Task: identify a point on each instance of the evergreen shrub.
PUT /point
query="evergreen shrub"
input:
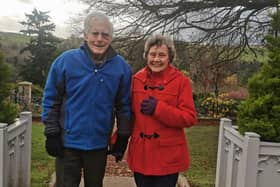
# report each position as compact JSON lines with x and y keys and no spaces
{"x":8,"y":110}
{"x":260,"y":113}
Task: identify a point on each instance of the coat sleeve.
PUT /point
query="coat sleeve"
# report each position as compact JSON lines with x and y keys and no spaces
{"x":53,"y":99}
{"x":123,"y":103}
{"x":182,"y":115}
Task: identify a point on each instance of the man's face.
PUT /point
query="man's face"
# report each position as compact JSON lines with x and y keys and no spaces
{"x":98,"y":38}
{"x":158,"y":58}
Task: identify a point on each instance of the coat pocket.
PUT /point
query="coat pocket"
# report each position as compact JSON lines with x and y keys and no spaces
{"x":173,"y":152}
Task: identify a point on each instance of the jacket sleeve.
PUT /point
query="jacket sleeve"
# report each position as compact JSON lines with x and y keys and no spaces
{"x":123,"y":103}
{"x":182,"y":115}
{"x":53,"y":99}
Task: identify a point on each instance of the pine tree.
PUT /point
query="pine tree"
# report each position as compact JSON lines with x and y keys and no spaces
{"x":42,"y":46}
{"x":260,"y":113}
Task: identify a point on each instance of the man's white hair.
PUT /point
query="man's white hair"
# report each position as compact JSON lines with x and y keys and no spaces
{"x":97,"y":16}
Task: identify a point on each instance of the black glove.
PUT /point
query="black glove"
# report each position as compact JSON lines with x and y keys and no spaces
{"x":148,"y":106}
{"x":54,"y":146}
{"x":119,"y":147}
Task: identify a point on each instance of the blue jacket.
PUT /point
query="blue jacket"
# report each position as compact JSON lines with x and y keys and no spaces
{"x":81,"y":100}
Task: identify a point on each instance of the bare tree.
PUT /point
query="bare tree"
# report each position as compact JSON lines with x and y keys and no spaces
{"x":228,"y":22}
{"x":208,"y":70}
{"x":216,"y":31}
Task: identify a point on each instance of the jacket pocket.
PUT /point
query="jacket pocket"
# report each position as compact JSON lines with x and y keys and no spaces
{"x":173,"y":152}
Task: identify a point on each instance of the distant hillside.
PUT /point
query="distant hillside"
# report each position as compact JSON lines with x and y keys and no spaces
{"x":12,"y":43}
{"x":13,"y":37}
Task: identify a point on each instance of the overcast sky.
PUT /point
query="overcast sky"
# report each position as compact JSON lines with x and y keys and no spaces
{"x":13,"y":11}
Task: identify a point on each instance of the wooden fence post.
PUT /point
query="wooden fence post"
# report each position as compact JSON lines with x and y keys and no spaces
{"x":250,"y":160}
{"x":28,"y":144}
{"x":221,"y":161}
{"x":3,"y":149}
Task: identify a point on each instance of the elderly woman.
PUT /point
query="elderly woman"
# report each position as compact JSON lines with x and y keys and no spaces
{"x":163,"y":106}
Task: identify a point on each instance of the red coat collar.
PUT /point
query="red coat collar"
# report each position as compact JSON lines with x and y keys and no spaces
{"x":166,"y":76}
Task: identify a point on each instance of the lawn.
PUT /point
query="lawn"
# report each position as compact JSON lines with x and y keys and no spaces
{"x":42,"y":165}
{"x":202,"y":142}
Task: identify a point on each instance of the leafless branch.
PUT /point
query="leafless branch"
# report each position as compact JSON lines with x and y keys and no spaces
{"x":233,"y":23}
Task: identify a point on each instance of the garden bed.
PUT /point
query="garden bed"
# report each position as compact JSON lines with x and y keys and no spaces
{"x":208,"y":121}
{"x":36,"y":118}
{"x":212,"y":121}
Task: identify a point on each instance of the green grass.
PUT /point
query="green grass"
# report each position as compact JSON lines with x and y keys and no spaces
{"x":202,"y":141}
{"x":42,"y":165}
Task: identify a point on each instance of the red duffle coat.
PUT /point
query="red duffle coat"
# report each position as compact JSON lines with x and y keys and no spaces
{"x":167,"y":152}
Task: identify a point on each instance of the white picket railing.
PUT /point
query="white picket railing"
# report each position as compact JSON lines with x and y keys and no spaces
{"x":15,"y":152}
{"x":245,"y":161}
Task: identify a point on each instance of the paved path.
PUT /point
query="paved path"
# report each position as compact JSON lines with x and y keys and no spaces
{"x":117,"y":181}
{"x":109,"y":181}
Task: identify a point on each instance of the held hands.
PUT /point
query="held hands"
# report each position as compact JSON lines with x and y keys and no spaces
{"x":118,"y":149}
{"x":148,"y":106}
{"x":54,"y":146}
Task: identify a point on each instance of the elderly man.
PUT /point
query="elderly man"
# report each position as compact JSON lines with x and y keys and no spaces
{"x":86,"y":89}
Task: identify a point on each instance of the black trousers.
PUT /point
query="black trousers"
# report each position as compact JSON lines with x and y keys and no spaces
{"x":69,"y":168}
{"x":155,"y":181}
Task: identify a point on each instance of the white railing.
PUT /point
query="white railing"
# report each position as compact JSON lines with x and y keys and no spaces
{"x":15,"y":152}
{"x":245,"y":161}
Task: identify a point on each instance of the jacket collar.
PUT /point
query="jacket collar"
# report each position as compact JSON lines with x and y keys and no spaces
{"x":110,"y":52}
{"x":167,"y":75}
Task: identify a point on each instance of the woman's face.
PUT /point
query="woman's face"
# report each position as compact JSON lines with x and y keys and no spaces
{"x":157,"y":58}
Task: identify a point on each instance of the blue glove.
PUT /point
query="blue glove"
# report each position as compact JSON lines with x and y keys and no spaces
{"x":148,"y":106}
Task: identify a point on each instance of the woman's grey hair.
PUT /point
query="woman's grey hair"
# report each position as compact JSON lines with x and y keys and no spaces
{"x":158,"y":40}
{"x":97,"y":16}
